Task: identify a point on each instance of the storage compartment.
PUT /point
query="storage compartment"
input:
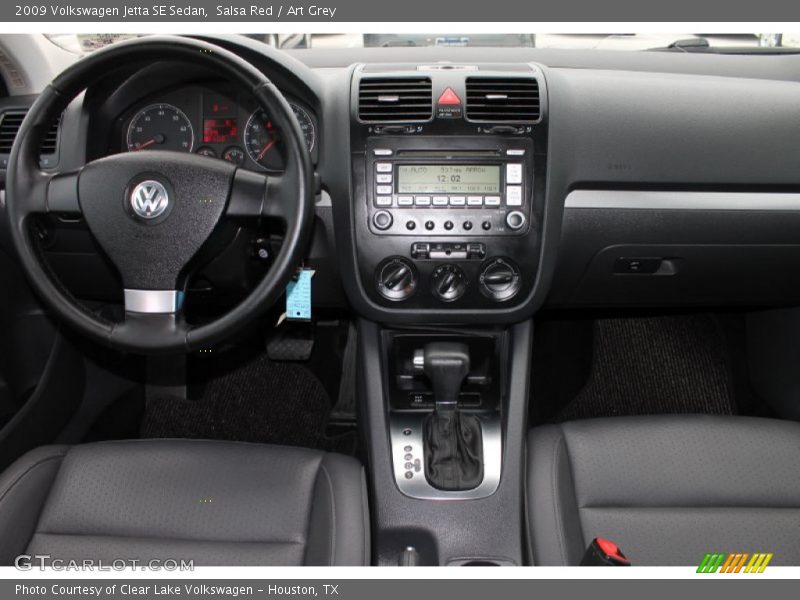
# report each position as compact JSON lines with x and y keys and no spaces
{"x":633,"y":257}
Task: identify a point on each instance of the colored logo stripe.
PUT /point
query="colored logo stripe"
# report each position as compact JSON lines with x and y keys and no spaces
{"x":734,"y":562}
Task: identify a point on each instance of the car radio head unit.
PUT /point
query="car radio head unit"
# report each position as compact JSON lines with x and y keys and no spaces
{"x":416,"y":187}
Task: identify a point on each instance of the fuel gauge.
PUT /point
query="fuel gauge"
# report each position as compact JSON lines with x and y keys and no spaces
{"x":234,"y":155}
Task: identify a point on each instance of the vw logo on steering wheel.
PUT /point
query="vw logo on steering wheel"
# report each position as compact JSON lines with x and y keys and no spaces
{"x":149,"y":199}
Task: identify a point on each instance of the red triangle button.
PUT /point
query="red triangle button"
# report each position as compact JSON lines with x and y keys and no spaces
{"x":449,"y":98}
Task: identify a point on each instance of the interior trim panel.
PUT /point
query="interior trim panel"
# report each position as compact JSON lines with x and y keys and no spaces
{"x":629,"y":199}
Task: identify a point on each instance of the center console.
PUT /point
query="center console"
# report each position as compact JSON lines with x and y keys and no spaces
{"x":448,"y":206}
{"x":448,"y":174}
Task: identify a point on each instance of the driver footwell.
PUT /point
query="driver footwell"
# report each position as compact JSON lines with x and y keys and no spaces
{"x":253,"y":400}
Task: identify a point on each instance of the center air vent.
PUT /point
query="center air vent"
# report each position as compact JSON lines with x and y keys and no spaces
{"x":503,"y":99}
{"x":395,"y":99}
{"x":11,"y":121}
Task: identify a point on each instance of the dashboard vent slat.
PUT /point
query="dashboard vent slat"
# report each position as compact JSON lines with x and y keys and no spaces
{"x":395,"y":99}
{"x":503,"y":99}
{"x":50,"y":142}
{"x":11,"y":121}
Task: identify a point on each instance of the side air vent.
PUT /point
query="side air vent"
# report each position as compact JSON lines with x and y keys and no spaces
{"x":395,"y":99}
{"x":503,"y":99}
{"x":10,"y":122}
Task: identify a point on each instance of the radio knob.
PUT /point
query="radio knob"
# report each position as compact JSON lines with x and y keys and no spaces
{"x":448,"y":282}
{"x":382,"y":220}
{"x":515,"y":220}
{"x":499,"y":279}
{"x":396,"y":279}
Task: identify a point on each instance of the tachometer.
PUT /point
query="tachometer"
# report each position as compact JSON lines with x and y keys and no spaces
{"x":160,"y":127}
{"x":262,"y":142}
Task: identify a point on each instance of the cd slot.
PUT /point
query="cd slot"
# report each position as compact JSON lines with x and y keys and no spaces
{"x":449,"y":153}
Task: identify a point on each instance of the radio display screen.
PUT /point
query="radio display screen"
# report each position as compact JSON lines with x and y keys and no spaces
{"x":448,"y":179}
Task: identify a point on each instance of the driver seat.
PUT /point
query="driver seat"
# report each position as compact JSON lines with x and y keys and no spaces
{"x":214,"y":502}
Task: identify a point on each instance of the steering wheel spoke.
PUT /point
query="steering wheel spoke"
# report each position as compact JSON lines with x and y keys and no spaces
{"x":158,"y":302}
{"x":248,"y":195}
{"x":62,"y":193}
{"x":256,"y":195}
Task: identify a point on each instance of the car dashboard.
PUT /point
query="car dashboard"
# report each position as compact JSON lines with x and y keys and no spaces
{"x":457,"y":185}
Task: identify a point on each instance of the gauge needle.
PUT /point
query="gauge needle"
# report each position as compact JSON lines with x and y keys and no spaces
{"x":159,"y":139}
{"x":265,"y":149}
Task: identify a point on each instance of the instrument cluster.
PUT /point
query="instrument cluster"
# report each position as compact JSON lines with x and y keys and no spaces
{"x":214,"y":123}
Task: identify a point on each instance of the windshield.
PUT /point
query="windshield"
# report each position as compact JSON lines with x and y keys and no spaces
{"x":680,"y":42}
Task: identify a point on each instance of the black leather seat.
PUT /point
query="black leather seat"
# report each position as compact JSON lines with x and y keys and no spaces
{"x":666,"y":489}
{"x":217,"y":503}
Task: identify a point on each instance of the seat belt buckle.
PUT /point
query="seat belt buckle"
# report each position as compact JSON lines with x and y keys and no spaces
{"x":604,"y":553}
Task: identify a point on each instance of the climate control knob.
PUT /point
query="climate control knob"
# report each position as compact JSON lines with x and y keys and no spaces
{"x":396,"y":279}
{"x":499,"y":280}
{"x":448,"y":282}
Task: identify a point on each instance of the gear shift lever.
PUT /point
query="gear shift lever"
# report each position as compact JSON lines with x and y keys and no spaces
{"x":446,"y":364}
{"x":453,"y":441}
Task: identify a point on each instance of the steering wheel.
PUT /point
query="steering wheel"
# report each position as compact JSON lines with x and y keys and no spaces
{"x":152,"y":211}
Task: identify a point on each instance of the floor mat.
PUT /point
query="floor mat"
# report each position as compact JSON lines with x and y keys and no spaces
{"x":256,"y":400}
{"x":655,"y":365}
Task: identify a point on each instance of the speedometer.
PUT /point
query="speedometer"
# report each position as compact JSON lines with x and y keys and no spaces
{"x":262,"y":142}
{"x":160,"y":127}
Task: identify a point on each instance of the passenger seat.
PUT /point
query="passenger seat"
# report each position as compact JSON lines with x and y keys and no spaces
{"x":666,"y":489}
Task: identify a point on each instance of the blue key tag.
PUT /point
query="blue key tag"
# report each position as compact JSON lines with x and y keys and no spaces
{"x":298,"y":296}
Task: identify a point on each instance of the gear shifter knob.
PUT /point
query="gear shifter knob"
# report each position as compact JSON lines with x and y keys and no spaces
{"x":446,"y":364}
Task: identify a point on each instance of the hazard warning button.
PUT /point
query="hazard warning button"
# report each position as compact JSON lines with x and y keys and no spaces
{"x":449,"y":98}
{"x":448,"y":106}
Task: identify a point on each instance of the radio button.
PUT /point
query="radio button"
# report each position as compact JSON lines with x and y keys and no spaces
{"x":422,"y":200}
{"x":383,"y":178}
{"x":515,"y":220}
{"x":457,"y":200}
{"x":475,"y":200}
{"x":384,"y":189}
{"x":440,"y":200}
{"x":383,"y":167}
{"x":382,"y":220}
{"x":514,"y":173}
{"x":492,"y":201}
{"x":514,"y":195}
{"x":383,"y":201}
{"x":405,"y":201}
